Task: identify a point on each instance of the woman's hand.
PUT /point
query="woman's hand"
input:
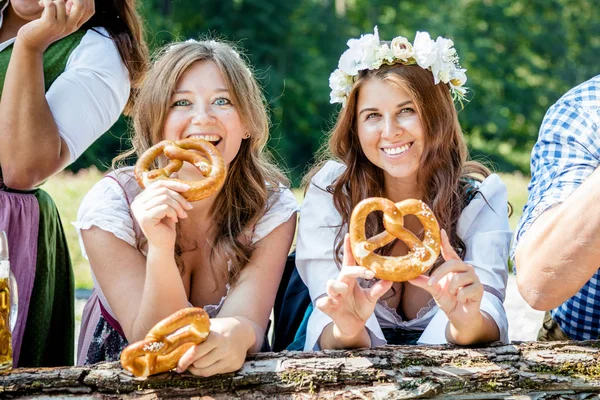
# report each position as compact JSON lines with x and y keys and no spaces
{"x":347,"y":303}
{"x":458,"y":292}
{"x":59,"y":19}
{"x":158,"y":208}
{"x":223,"y":351}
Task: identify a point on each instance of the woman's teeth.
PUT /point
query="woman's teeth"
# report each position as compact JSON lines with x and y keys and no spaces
{"x":396,"y":150}
{"x":208,"y":138}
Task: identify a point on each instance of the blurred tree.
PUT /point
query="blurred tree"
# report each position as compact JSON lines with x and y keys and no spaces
{"x":521,"y":55}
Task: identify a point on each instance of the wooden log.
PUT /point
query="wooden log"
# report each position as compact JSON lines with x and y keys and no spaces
{"x":519,"y":370}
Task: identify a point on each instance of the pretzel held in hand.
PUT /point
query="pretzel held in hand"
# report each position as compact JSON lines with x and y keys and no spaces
{"x":210,"y":164}
{"x":421,"y":255}
{"x":166,"y":342}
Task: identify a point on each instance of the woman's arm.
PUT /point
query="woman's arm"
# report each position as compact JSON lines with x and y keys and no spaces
{"x":484,"y":228}
{"x":33,"y":148}
{"x":140,"y":290}
{"x":240,"y":327}
{"x":259,"y":281}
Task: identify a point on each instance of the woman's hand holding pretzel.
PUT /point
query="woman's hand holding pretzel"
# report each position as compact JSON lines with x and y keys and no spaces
{"x":458,"y":292}
{"x":348,"y":304}
{"x":223,"y":351}
{"x":158,"y":208}
{"x":59,"y":19}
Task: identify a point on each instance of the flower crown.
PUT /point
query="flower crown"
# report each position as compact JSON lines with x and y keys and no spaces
{"x":369,"y":53}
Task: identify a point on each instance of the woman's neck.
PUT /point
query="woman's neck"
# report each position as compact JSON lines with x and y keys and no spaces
{"x":11,"y":23}
{"x":399,"y":189}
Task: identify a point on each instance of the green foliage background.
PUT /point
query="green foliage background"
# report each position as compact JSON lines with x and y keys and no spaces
{"x":520,"y":56}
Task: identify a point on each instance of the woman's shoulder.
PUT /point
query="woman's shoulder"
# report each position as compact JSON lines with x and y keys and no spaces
{"x":281,"y":205}
{"x":327,"y":173}
{"x":117,"y":185}
{"x":107,"y":206}
{"x":97,"y":50}
{"x":488,"y":206}
{"x":490,"y":187}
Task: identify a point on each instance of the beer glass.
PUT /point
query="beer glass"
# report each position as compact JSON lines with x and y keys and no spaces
{"x":8,"y":305}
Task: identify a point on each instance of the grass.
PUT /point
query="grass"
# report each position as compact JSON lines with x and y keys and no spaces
{"x":67,"y":190}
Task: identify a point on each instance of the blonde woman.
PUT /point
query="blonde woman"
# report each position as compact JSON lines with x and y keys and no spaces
{"x":225,"y":253}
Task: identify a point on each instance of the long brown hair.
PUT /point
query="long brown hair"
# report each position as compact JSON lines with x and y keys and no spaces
{"x":445,"y":175}
{"x":252,"y":177}
{"x":125,"y":27}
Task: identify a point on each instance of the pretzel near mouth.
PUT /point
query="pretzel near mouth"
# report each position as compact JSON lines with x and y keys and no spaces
{"x":421,"y":255}
{"x":166,"y":342}
{"x":209,"y":162}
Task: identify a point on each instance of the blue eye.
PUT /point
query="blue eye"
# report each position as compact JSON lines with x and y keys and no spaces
{"x":181,"y":103}
{"x":222,"y":101}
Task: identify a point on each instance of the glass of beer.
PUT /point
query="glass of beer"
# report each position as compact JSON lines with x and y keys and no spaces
{"x":8,"y":305}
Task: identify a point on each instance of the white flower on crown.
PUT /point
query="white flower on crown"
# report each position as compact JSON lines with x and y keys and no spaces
{"x":383,"y":55}
{"x":360,"y":54}
{"x":340,"y":84}
{"x":368,"y":52}
{"x":425,"y":50}
{"x":402,"y":48}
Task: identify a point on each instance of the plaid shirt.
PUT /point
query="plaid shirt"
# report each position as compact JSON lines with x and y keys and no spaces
{"x":566,"y":153}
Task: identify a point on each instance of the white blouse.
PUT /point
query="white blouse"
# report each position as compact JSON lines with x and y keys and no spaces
{"x":88,"y":97}
{"x":483,"y":226}
{"x":107,"y":206}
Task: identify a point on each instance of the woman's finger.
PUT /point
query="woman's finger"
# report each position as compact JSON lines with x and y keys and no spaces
{"x":195,"y":352}
{"x":446,"y":268}
{"x":165,"y":199}
{"x":218,"y":367}
{"x":75,"y":14}
{"x":326,"y":304}
{"x":61,"y":11}
{"x":169,"y":184}
{"x":208,"y":359}
{"x":348,"y":256}
{"x":49,"y":13}
{"x":461,"y":280}
{"x":162,"y":211}
{"x":90,"y":10}
{"x":350,"y":273}
{"x":472,"y":292}
{"x":379,"y":289}
{"x":336,"y":288}
{"x":448,"y":251}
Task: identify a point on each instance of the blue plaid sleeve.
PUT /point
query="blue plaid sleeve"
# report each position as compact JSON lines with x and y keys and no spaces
{"x":565,"y":154}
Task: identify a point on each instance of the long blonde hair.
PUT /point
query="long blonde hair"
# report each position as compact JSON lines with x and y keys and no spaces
{"x":445,"y":175}
{"x":252,"y":176}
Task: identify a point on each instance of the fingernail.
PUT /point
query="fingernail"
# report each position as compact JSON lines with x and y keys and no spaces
{"x":369,"y":274}
{"x":431,"y":281}
{"x":189,"y":206}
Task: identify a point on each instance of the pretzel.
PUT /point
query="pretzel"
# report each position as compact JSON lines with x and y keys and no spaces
{"x":166,"y":342}
{"x":421,"y":255}
{"x":210,"y":164}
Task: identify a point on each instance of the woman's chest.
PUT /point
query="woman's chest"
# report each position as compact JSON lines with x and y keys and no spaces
{"x":407,"y":299}
{"x":205,"y":282}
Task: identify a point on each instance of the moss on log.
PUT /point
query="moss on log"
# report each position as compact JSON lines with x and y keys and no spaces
{"x":533,"y":369}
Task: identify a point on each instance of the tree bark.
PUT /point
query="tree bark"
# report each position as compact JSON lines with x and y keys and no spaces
{"x":540,"y":370}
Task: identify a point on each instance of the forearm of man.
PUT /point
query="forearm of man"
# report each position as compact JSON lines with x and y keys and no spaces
{"x":32,"y":149}
{"x":560,"y":252}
